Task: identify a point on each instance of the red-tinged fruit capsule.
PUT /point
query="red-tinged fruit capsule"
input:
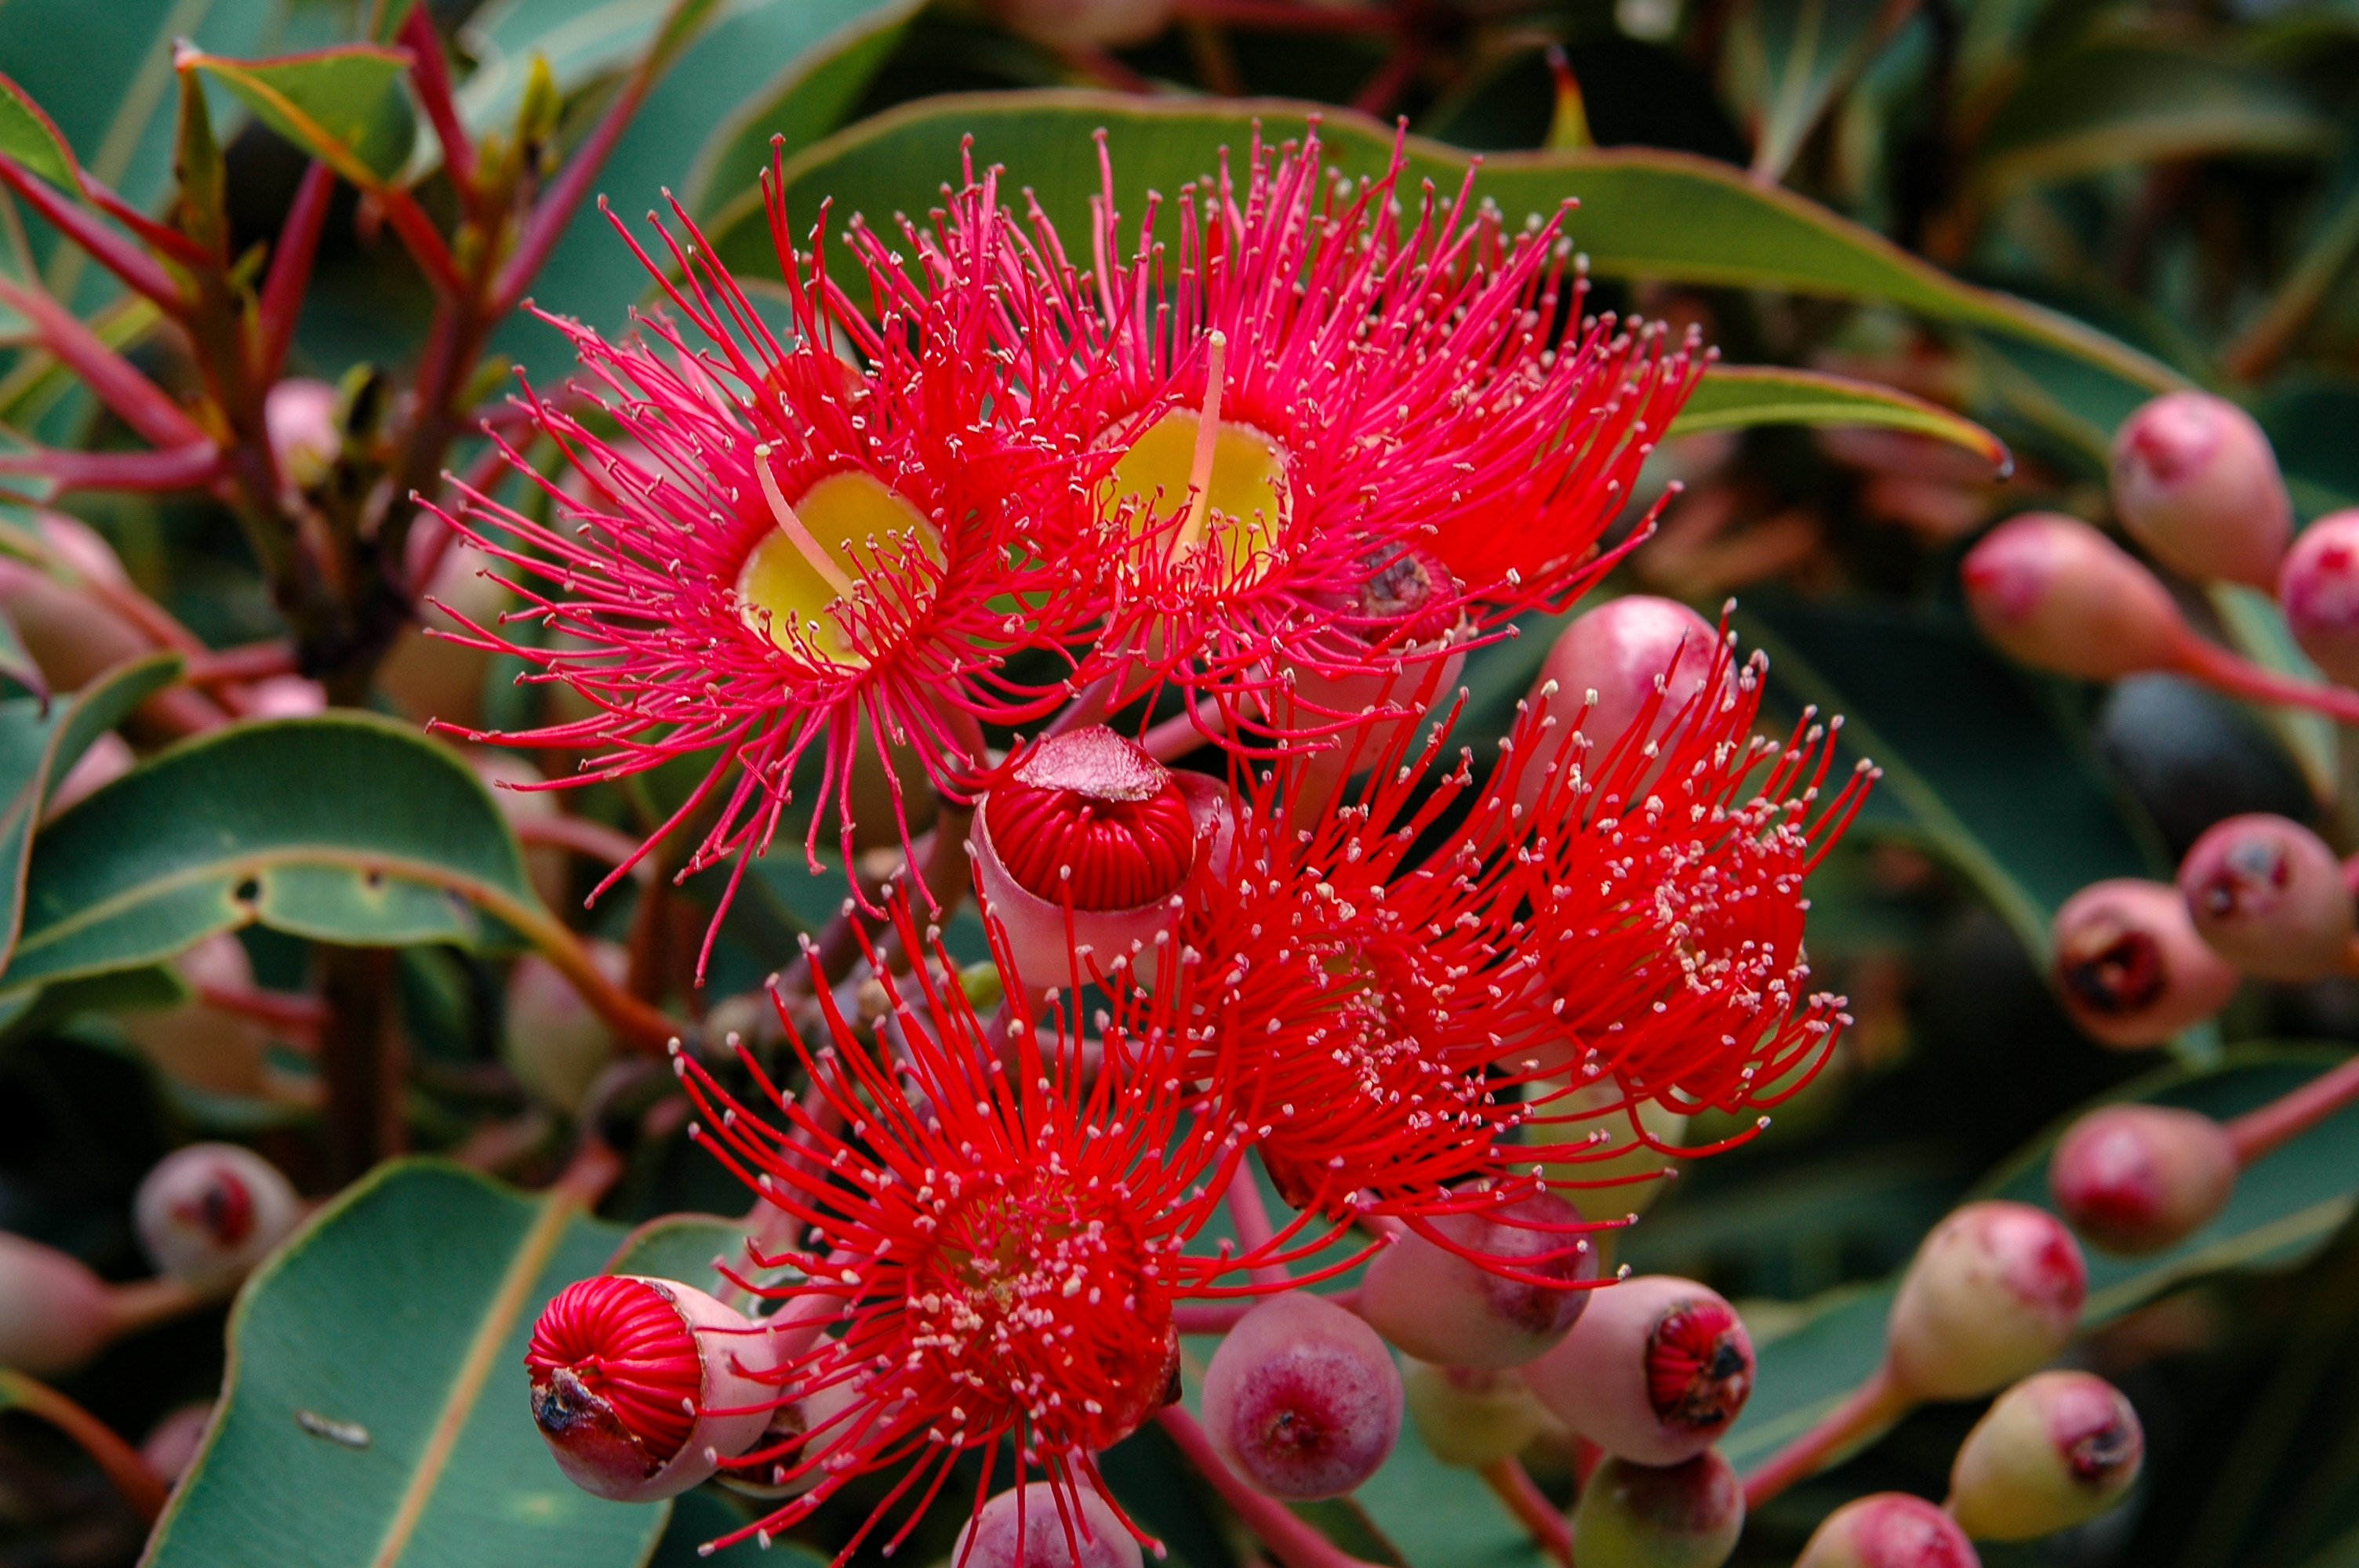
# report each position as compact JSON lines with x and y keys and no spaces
{"x":553,"y":1042}
{"x":56,"y":1313}
{"x":2138,"y":1178}
{"x":1439,"y":1304}
{"x":2130,"y":966}
{"x":1687,"y":1515}
{"x":1993,"y":1293}
{"x":2054,"y":1451}
{"x":1623,"y":651}
{"x":171,"y":1445}
{"x":1043,"y":1526}
{"x":1302,"y":1399}
{"x":1888,"y":1530}
{"x":2270,"y":897}
{"x":2056,"y":594}
{"x":207,"y":1213}
{"x":1473,"y":1416}
{"x":641,"y":1387}
{"x":1657,"y":1368}
{"x":2318,"y":589}
{"x":2196,"y":484}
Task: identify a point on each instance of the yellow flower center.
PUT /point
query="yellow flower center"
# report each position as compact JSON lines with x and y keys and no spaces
{"x":1230,"y":477}
{"x":812,"y":585}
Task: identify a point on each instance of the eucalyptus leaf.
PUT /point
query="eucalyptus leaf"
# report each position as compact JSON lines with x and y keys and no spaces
{"x":343,"y":105}
{"x":1798,"y":54}
{"x":344,"y":827}
{"x":375,"y":1409}
{"x":1734,"y":398}
{"x":1643,"y":213}
{"x":29,"y":135}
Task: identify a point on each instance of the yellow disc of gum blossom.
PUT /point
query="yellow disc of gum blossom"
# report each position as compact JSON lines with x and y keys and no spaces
{"x":1247,"y":498}
{"x":862,"y":531}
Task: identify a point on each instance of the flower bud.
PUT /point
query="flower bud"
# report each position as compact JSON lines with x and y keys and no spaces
{"x":1992,"y":1293}
{"x":1050,"y":1529}
{"x":1086,"y":844}
{"x":1302,"y":1399}
{"x":1687,"y":1515}
{"x":171,"y":1445}
{"x":1657,"y":1368}
{"x":641,"y":1387}
{"x":1068,"y":23}
{"x":2138,"y":1178}
{"x":2195,"y":482}
{"x":300,"y":416}
{"x":207,"y":1047}
{"x":1888,"y":1530}
{"x":55,"y":1315}
{"x":1440,"y":1306}
{"x":551,"y":1040}
{"x":2319,"y":586}
{"x":1473,"y":1416}
{"x":207,"y":1213}
{"x":1620,"y":650}
{"x":2130,"y":967}
{"x":2270,"y":897}
{"x":2056,"y":1450}
{"x":2056,"y":594}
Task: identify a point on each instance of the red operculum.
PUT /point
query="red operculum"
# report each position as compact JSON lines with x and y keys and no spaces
{"x":614,"y":1365}
{"x":1698,"y":1371}
{"x":225,"y":1211}
{"x":1091,"y":819}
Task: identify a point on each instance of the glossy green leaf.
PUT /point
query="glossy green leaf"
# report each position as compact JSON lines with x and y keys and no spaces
{"x":1643,"y":213}
{"x":1736,"y":396}
{"x":2309,"y":423}
{"x":580,"y":44}
{"x":39,"y":744}
{"x":2083,"y":111}
{"x":344,"y":105}
{"x":2284,"y":1209}
{"x":762,"y":66}
{"x":682,"y":1246}
{"x":1964,"y":749}
{"x":343,"y":829}
{"x":16,"y":663}
{"x":375,"y":1411}
{"x":29,"y":135}
{"x":1796,"y":55}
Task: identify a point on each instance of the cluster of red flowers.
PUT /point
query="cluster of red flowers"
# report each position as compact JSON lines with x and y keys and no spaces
{"x":1263,"y":489}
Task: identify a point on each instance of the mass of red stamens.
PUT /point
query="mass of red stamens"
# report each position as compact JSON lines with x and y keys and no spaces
{"x":993,"y":1227}
{"x":1088,"y":819}
{"x":624,"y":1346}
{"x":706,"y":436}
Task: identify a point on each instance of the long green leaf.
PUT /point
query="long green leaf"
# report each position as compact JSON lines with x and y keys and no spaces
{"x":344,"y":105}
{"x":343,"y":829}
{"x":1797,"y":54}
{"x":374,"y":1412}
{"x":1737,"y":397}
{"x":29,"y":135}
{"x":1643,"y":213}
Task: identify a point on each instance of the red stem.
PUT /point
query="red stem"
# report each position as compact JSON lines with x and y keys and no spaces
{"x":163,"y":236}
{"x":284,"y":1009}
{"x":2216,"y":667}
{"x":191,"y":467}
{"x":1376,"y":94}
{"x":290,"y":268}
{"x":1296,"y":1544}
{"x":422,"y":239}
{"x":1531,"y":1504}
{"x":555,"y":210}
{"x":252,"y":661}
{"x":1874,"y":1405}
{"x":144,"y":406}
{"x":429,"y":73}
{"x":584,"y":836}
{"x":135,"y":266}
{"x":2280,"y":1123}
{"x":117,"y":1458}
{"x":1255,"y":1233}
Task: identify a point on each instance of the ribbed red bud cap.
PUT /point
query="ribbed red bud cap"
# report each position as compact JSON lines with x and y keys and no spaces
{"x":2195,"y":482}
{"x":2318,"y":589}
{"x":1995,"y":1293}
{"x":2138,"y":1178}
{"x":1888,"y":1530}
{"x":1687,"y":1515}
{"x":1091,"y":819}
{"x":2054,"y":1451}
{"x":2130,"y":967}
{"x":641,"y":1386}
{"x":1657,"y":1368}
{"x":2055,"y":593}
{"x":2270,"y":897}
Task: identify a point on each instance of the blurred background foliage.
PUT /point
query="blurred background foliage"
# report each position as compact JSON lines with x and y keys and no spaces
{"x":2182,"y":176}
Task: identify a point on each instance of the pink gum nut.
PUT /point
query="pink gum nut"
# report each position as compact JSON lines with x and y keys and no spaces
{"x":1888,"y":1530}
{"x":1620,"y":650}
{"x":1993,"y":1293}
{"x":641,"y":1387}
{"x":301,"y":417}
{"x":2319,"y":587}
{"x":55,"y":1315}
{"x":2130,"y":967}
{"x":1657,"y":1368}
{"x":2270,"y":897}
{"x":1687,"y":1515}
{"x":2055,"y":593}
{"x":2196,"y":484}
{"x":1443,"y":1307}
{"x":207,"y":1213}
{"x":2056,"y":1450}
{"x":995,"y":1537}
{"x":1083,"y":851}
{"x":1302,"y":1399}
{"x":2138,"y":1178}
